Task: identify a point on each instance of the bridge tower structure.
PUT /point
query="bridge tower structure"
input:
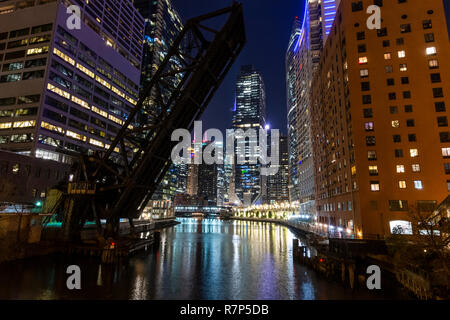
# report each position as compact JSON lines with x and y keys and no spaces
{"x":119,"y":182}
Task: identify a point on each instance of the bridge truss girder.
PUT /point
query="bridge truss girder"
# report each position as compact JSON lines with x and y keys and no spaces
{"x":123,"y":182}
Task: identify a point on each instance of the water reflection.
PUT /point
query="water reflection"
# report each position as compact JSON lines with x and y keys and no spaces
{"x":197,"y":259}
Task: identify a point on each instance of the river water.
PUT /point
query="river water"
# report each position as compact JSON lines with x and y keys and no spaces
{"x":197,"y":259}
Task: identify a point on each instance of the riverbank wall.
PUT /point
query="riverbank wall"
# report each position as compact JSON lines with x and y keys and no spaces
{"x":50,"y":242}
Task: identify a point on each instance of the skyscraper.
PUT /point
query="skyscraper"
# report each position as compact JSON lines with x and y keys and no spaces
{"x":291,"y":83}
{"x":277,"y":185}
{"x":210,"y":183}
{"x":249,"y":113}
{"x":206,"y":182}
{"x":302,"y":56}
{"x":380,"y":118}
{"x":63,"y":89}
{"x":162,"y":26}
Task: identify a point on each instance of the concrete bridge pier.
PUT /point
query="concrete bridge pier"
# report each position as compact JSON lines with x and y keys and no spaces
{"x":351,"y":275}
{"x":343,"y":272}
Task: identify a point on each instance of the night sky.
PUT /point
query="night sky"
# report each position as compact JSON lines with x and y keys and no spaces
{"x":268,"y":27}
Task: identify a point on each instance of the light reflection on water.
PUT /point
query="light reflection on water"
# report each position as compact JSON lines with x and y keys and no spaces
{"x":197,"y":259}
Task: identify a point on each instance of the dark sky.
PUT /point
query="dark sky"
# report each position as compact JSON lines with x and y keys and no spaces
{"x":268,"y":27}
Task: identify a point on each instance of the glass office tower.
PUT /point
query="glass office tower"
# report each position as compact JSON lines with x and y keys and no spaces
{"x":249,"y":113}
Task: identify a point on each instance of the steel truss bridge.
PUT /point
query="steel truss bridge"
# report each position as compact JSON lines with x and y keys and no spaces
{"x":119,"y":182}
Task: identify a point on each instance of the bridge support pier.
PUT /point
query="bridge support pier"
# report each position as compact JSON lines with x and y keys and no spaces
{"x":351,"y":275}
{"x":343,"y":272}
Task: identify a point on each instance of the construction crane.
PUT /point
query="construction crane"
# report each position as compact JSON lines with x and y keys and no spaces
{"x":119,"y":182}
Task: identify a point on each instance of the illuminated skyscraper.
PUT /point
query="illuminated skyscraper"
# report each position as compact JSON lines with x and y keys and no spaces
{"x":302,"y":57}
{"x":249,"y":113}
{"x":162,"y":26}
{"x":291,"y":83}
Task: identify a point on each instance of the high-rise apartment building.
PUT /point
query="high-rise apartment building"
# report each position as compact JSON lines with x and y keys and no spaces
{"x":291,"y":93}
{"x":380,"y":114}
{"x":162,"y":26}
{"x":249,"y":113}
{"x":302,"y":57}
{"x":206,"y":182}
{"x":277,"y":184}
{"x":67,"y":89}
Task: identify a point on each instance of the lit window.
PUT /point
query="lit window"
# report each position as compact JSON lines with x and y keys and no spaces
{"x":433,"y":64}
{"x":363,"y":60}
{"x":64,"y":56}
{"x":400,"y":168}
{"x":48,"y":155}
{"x":395,"y":124}
{"x":85,"y":70}
{"x":418,"y":184}
{"x":401,"y":227}
{"x":369,"y":126}
{"x":103,"y":82}
{"x":353,"y":170}
{"x":446,"y":152}
{"x":387,"y":56}
{"x":414,"y":153}
{"x":114,"y":119}
{"x":403,"y":67}
{"x":374,"y":186}
{"x":373,"y":170}
{"x":51,"y":127}
{"x":5,"y":125}
{"x":58,"y":91}
{"x":401,"y":54}
{"x":118,"y":92}
{"x":16,"y":168}
{"x":364,"y":73}
{"x":133,"y":102}
{"x":25,"y":124}
{"x":100,"y":112}
{"x":431,"y":51}
{"x":39,"y":50}
{"x":372,"y":155}
{"x":82,"y":103}
{"x":96,"y":143}
{"x":13,"y":77}
{"x":416,"y":167}
{"x":75,"y":135}
{"x":402,"y":184}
